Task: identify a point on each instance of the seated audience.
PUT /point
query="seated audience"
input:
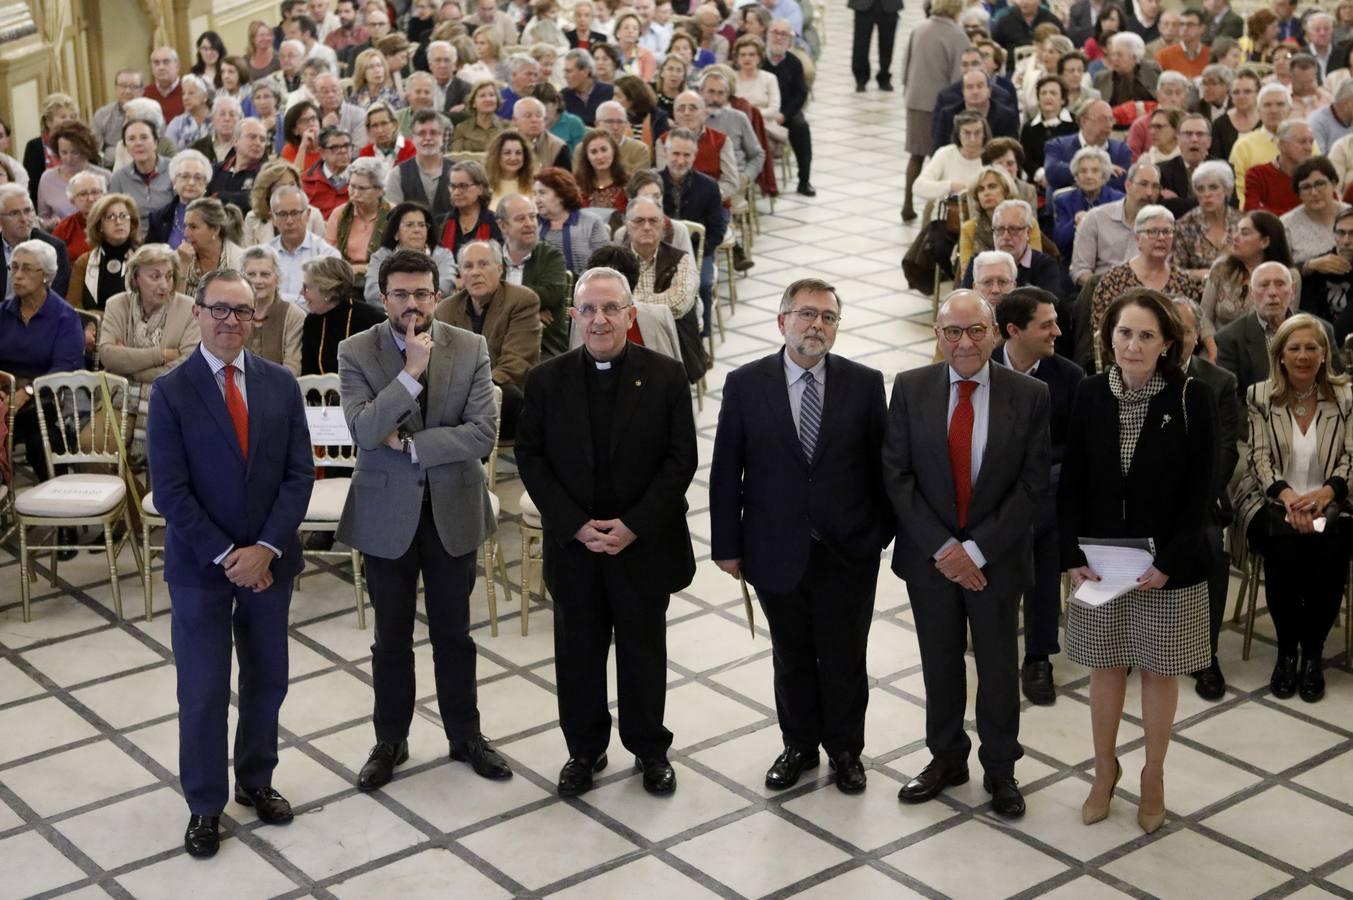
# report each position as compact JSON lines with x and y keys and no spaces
{"x":1295,"y":479}
{"x":1013,"y":223}
{"x":1150,"y":267}
{"x":472,"y":216}
{"x":1129,"y":77}
{"x":1090,"y":167}
{"x":598,"y":172}
{"x":295,"y":242}
{"x":563,"y":224}
{"x":1310,"y":226}
{"x":476,"y":133}
{"x":584,"y":93}
{"x":977,"y":99}
{"x":77,"y":151}
{"x":1051,"y":119}
{"x":331,"y":315}
{"x":1327,"y":281}
{"x":300,"y":135}
{"x":226,"y":113}
{"x":992,"y":187}
{"x":1261,"y":144}
{"x":326,"y":183}
{"x":278,"y":325}
{"x":211,"y":240}
{"x":1241,"y":118}
{"x":1258,"y":237}
{"x":410,"y":227}
{"x":1307,"y":94}
{"x":648,"y":183}
{"x":953,"y":166}
{"x":354,"y":229}
{"x":1190,"y":56}
{"x":386,"y":141}
{"x":100,"y":273}
{"x":510,"y":164}
{"x":1172,"y":93}
{"x":426,"y":178}
{"x":528,"y":120}
{"x":18,"y":223}
{"x":190,"y":173}
{"x":1107,"y":237}
{"x":506,"y":315}
{"x":148,"y":327}
{"x":667,"y":277}
{"x":1271,"y":186}
{"x":531,"y":263}
{"x":234,"y":177}
{"x":633,"y":154}
{"x":85,"y":189}
{"x":1176,"y":173}
{"x":146,"y":178}
{"x":1203,"y":234}
{"x":259,"y":227}
{"x":1096,"y":124}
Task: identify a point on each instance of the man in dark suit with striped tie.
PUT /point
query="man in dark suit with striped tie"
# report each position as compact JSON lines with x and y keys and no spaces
{"x":797,"y":508}
{"x":966,"y":461}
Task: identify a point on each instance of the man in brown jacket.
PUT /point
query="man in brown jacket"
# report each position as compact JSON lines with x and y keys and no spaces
{"x":506,"y":315}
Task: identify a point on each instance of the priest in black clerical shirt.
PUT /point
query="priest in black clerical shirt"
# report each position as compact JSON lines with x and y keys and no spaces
{"x":606,"y":449}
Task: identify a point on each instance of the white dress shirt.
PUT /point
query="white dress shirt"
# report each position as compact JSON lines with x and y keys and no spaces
{"x":794,"y":381}
{"x":981,"y":414}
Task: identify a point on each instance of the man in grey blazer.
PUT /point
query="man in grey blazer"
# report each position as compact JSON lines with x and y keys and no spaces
{"x":966,"y":461}
{"x":418,"y":399}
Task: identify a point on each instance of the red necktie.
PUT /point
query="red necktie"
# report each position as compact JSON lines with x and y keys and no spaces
{"x":960,"y":449}
{"x":239,"y":413}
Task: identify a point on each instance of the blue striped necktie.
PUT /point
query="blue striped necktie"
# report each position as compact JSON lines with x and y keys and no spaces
{"x":810,"y":415}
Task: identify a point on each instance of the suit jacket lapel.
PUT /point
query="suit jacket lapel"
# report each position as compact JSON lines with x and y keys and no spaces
{"x":573,"y":398}
{"x":832,"y":401}
{"x":209,"y":391}
{"x":777,"y":401}
{"x":628,"y":393}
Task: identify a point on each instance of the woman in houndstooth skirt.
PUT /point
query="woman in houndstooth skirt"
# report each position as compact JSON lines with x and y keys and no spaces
{"x":1139,"y":464}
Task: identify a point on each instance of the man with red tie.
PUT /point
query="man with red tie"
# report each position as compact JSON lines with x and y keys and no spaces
{"x":231,"y":473}
{"x":966,"y":463}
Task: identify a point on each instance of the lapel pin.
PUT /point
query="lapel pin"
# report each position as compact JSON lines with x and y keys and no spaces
{"x":638,"y":383}
{"x":1164,"y":420}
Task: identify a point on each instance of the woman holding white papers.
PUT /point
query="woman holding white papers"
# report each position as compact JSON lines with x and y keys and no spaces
{"x":1138,"y":465}
{"x":1301,"y":453}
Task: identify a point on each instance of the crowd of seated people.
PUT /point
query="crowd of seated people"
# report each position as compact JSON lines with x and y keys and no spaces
{"x":1187,"y":151}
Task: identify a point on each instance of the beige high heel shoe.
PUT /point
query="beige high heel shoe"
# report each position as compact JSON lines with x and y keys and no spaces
{"x":1151,"y":820}
{"x":1092,"y":812}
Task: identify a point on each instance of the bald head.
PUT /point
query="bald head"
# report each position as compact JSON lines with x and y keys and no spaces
{"x":966,"y":329}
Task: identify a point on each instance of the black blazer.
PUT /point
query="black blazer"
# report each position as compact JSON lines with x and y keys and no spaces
{"x":160,"y":222}
{"x":1042,"y":272}
{"x":766,"y":499}
{"x":696,"y":200}
{"x":1168,"y":491}
{"x":1174,"y":176}
{"x":1010,"y":488}
{"x":1062,"y":377}
{"x":1229,"y":416}
{"x":61,"y":281}
{"x":652,"y":459}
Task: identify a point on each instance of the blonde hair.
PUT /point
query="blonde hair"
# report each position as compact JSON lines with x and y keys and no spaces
{"x":149,"y":255}
{"x":1281,"y":393}
{"x":330,"y":275}
{"x":359,"y":68}
{"x":264,"y":182}
{"x":490,"y":34}
{"x":949,"y":9}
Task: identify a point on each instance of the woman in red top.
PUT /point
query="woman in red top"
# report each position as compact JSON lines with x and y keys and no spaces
{"x":597,"y":169}
{"x":300,"y":134}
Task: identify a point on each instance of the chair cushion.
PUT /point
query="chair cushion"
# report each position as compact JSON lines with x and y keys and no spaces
{"x":530,"y":514}
{"x":327,"y":499}
{"x":148,"y":505}
{"x":72,"y":496}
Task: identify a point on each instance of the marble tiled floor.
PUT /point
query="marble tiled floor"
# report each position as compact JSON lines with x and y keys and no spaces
{"x":1260,"y":791}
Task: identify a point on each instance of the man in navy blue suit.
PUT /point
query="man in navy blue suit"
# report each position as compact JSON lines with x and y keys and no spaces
{"x":1096,"y":122}
{"x":1027,"y":321}
{"x":231,"y":472}
{"x":798,"y":509}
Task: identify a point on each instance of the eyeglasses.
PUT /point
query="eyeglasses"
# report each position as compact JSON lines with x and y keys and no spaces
{"x":190,"y":178}
{"x":462,"y":185}
{"x":22,"y":268}
{"x":26,"y":211}
{"x":1307,"y":186}
{"x":343,"y":147}
{"x":288,"y":213}
{"x":220,"y":312}
{"x":808,"y":316}
{"x":404,"y":296}
{"x":997,"y":282}
{"x":1009,"y":229}
{"x":953,"y":334}
{"x":92,"y":192}
{"x":117,"y":217}
{"x":609,"y":310}
{"x":1157,"y":232}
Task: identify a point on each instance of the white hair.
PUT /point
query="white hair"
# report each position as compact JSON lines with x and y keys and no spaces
{"x":42,"y":251}
{"x":223,"y":101}
{"x":494,"y":247}
{"x":293,"y":44}
{"x":522,"y":101}
{"x":602,"y":272}
{"x":1020,"y":206}
{"x":200,"y":83}
{"x":1254,"y":276}
{"x":1275,"y":87}
{"x":283,"y":192}
{"x":1215,"y":170}
{"x":1149,"y":212}
{"x":1099,"y":154}
{"x":1134,"y":43}
{"x":995,"y":258}
{"x":190,"y":155}
{"x":372,"y":167}
{"x":443,"y":45}
{"x":85,"y":175}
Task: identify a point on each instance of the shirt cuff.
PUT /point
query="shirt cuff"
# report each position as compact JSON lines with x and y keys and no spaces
{"x":275,"y":552}
{"x":224,"y":554}
{"x":975,"y":554}
{"x":410,"y":383}
{"x":413,"y":452}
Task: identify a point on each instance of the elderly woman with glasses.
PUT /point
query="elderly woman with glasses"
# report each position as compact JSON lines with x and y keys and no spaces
{"x":278,"y":325}
{"x":101,"y":273}
{"x":1300,"y":460}
{"x":149,"y":327}
{"x":1310,"y":226}
{"x":1204,"y":232}
{"x":355,"y":228}
{"x":190,"y":173}
{"x":1149,"y":268}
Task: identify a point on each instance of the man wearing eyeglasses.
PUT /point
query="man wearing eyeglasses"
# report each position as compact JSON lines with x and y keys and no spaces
{"x":1011,"y":225}
{"x":1272,"y":186}
{"x":19,"y":223}
{"x":419,"y":504}
{"x":965,"y":462}
{"x":295,"y":242}
{"x":232,"y":181}
{"x":326,"y":182}
{"x":508,"y":317}
{"x":108,"y":119}
{"x":797,"y":508}
{"x":606,"y":449}
{"x":231,"y":472}
{"x":532,"y":263}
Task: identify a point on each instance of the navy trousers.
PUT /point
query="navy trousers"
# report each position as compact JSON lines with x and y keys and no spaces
{"x":202,"y":625}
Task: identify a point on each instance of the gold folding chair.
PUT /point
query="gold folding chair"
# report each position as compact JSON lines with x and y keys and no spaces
{"x":495,"y":566}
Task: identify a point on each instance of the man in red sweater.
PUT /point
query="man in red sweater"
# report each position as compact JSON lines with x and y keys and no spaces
{"x":1269,"y":186}
{"x":165,"y":88}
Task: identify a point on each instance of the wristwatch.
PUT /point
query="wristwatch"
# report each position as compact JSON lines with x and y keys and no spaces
{"x":405,"y":443}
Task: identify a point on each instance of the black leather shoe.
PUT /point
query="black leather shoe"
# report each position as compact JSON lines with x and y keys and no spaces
{"x":1006,"y":800}
{"x":576,"y":776}
{"x":380,"y":765}
{"x":933,"y":778}
{"x":1312,"y":686}
{"x":886,"y":86}
{"x":203,"y":837}
{"x":788,"y":766}
{"x":741,"y":261}
{"x":860,"y":87}
{"x":849,"y":773}
{"x":1284,"y":680}
{"x":482,"y":758}
{"x":272,"y":807}
{"x":1035,"y":677}
{"x":659,"y":777}
{"x":69,"y":536}
{"x":806,"y":189}
{"x":1209,"y":683}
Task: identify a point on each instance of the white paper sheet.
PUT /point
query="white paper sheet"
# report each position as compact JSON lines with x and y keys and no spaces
{"x":1118,"y":569}
{"x":327,"y":426}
